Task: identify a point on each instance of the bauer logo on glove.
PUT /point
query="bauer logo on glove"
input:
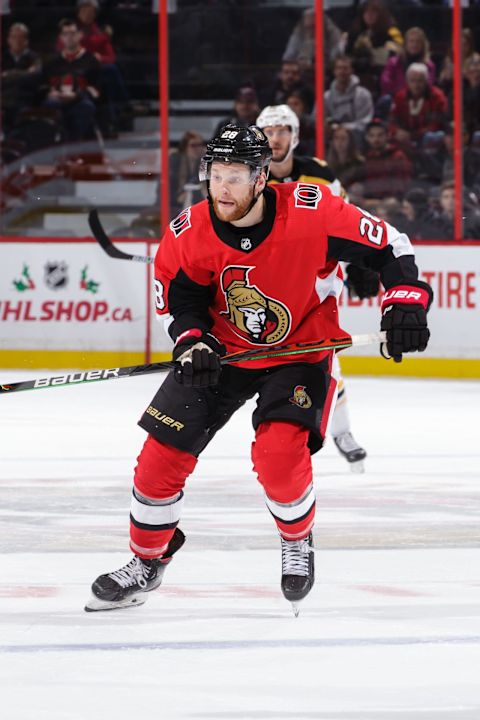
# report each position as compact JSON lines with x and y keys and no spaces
{"x":404,"y":318}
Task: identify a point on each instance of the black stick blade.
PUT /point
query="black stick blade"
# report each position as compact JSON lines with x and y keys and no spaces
{"x":106,"y":244}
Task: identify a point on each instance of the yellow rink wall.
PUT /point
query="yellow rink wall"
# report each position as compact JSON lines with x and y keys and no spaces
{"x":69,"y":360}
{"x":412,"y":367}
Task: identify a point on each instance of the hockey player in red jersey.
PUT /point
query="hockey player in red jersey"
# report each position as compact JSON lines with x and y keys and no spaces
{"x":281,"y":126}
{"x":239,"y":271}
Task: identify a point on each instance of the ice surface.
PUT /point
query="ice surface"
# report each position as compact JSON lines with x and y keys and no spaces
{"x":390,"y":631}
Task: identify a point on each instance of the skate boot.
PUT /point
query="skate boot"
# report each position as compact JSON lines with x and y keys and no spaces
{"x":298,"y":572}
{"x":351,"y":451}
{"x":130,"y":584}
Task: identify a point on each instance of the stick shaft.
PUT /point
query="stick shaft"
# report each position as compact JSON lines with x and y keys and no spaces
{"x":87,"y":376}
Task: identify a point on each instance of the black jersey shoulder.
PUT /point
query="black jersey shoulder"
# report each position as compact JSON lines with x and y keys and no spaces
{"x":308,"y":169}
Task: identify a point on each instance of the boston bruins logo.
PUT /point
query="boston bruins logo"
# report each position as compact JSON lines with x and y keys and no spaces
{"x":255,"y":317}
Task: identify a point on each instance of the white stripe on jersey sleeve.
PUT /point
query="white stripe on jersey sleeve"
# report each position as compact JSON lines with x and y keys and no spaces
{"x":399,"y":242}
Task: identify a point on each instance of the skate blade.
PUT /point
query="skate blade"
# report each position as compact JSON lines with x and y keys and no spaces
{"x":296,"y":608}
{"x":96,"y":605}
{"x":357,"y":467}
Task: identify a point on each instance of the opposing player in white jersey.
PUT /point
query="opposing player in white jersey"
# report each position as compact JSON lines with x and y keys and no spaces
{"x":281,"y":126}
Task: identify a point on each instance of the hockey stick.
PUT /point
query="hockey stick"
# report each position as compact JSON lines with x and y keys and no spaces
{"x":106,"y":244}
{"x":85,"y":376}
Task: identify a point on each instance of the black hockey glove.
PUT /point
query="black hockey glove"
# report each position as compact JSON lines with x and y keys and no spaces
{"x":198,"y":356}
{"x":404,"y":317}
{"x":362,"y":282}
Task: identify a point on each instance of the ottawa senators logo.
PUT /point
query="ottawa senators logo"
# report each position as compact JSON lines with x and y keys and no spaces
{"x":181,"y":223}
{"x":255,"y":317}
{"x":307,"y":195}
{"x":301,"y":398}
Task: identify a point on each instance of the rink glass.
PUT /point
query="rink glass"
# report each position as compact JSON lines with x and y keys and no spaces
{"x":50,"y":183}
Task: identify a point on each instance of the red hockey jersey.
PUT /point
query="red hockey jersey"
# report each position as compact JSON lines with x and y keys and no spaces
{"x":263,"y":285}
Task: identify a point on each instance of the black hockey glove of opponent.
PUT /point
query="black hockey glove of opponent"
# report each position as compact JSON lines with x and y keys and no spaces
{"x":404,"y":317}
{"x":361,"y":281}
{"x":198,"y":356}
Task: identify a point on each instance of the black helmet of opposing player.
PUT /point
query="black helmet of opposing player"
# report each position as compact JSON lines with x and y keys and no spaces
{"x":237,"y":144}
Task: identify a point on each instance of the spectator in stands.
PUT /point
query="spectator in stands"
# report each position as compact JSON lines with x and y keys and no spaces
{"x":289,"y":79}
{"x":444,"y":221}
{"x":437,"y":161}
{"x":245,"y":109}
{"x":72,"y":77}
{"x":372,"y":39}
{"x":343,"y":157}
{"x":94,"y":39}
{"x":185,"y":187}
{"x":389,"y":209}
{"x":301,"y":43}
{"x":418,"y":109}
{"x":419,"y":221}
{"x":445,"y":78}
{"x":21,"y":68}
{"x":114,"y":112}
{"x":387,"y":170}
{"x":300,"y":102}
{"x":347,"y":103}
{"x":471,"y":93}
{"x":416,"y":49}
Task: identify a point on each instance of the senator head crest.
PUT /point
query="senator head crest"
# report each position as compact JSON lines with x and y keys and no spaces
{"x":255,"y":317}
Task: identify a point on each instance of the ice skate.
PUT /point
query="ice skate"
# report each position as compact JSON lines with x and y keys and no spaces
{"x":128,"y":586}
{"x":298,"y":572}
{"x":351,"y":451}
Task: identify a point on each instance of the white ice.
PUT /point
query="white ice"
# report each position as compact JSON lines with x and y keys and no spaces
{"x":390,"y":631}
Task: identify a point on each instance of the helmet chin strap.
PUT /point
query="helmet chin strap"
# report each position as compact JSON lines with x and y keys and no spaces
{"x":252,"y":203}
{"x":289,"y":154}
{"x":291,"y":148}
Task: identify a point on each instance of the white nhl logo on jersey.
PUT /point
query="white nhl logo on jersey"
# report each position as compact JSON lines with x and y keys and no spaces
{"x":246,"y":244}
{"x":181,"y":222}
{"x":307,"y":195}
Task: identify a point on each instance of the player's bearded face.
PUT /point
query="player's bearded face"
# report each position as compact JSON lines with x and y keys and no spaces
{"x":231,"y":190}
{"x":279,"y":138}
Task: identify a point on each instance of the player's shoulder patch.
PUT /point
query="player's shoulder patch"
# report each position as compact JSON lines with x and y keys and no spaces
{"x":307,"y":195}
{"x":323,"y":169}
{"x":312,"y":169}
{"x":182,"y":222}
{"x":187,"y":218}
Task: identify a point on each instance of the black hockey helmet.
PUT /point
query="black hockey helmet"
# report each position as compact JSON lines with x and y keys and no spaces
{"x":237,"y":144}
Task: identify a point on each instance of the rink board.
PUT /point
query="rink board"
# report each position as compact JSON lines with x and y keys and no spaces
{"x":65,"y":303}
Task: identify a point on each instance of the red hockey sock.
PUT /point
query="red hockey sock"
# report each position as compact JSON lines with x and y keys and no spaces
{"x":282,"y":461}
{"x":157,"y":496}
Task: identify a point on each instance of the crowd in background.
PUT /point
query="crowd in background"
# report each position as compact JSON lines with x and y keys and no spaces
{"x":388,"y":105}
